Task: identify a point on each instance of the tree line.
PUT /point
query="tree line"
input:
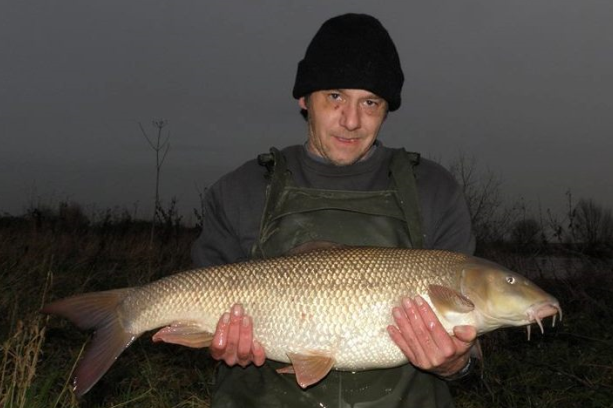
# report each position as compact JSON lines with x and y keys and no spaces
{"x":585,"y":228}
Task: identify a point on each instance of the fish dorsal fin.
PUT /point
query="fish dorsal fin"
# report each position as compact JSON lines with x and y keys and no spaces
{"x":309,"y":368}
{"x":446,"y":299}
{"x":313,"y":246}
{"x":186,"y":334}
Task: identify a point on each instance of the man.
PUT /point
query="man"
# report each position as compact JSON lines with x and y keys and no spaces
{"x":342,"y":186}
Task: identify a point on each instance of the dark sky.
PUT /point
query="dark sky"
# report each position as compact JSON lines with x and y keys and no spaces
{"x":525,"y":86}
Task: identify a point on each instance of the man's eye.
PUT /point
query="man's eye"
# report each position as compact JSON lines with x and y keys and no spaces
{"x":335,"y":96}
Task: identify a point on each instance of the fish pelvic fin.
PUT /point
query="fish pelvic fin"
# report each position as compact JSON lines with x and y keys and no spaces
{"x":309,"y":368}
{"x":446,"y":299}
{"x":97,"y":311}
{"x":184,"y":334}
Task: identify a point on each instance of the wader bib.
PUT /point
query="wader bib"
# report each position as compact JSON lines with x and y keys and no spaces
{"x":293,"y":216}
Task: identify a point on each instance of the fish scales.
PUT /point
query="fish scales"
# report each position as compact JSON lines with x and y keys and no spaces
{"x":320,"y":301}
{"x":333,"y":302}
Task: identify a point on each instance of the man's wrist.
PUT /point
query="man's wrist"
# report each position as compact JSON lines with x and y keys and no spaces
{"x":464,"y":371}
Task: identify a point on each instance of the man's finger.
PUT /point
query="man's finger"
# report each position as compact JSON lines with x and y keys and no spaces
{"x":259,"y":355}
{"x":465,"y":336}
{"x":220,"y":339}
{"x":236,"y":318}
{"x":412,"y":330}
{"x":245,"y":341}
{"x":441,"y":343}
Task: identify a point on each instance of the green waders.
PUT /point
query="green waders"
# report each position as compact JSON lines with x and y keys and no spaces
{"x":293,"y":216}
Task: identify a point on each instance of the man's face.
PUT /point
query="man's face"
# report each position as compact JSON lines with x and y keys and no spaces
{"x":343,"y":123}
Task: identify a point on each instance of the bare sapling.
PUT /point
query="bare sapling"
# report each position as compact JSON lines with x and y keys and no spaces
{"x":161,"y":148}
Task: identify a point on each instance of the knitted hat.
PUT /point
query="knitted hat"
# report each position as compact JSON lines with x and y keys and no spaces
{"x":351,"y":51}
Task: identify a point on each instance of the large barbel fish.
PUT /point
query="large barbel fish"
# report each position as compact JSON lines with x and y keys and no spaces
{"x":327,"y":307}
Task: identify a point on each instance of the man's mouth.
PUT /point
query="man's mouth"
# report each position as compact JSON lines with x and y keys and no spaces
{"x":347,"y":140}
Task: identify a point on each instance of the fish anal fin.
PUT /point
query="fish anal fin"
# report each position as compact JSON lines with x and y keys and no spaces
{"x":286,"y":370}
{"x":98,"y":311}
{"x":446,"y":299}
{"x":310,"y":368}
{"x":186,"y":334}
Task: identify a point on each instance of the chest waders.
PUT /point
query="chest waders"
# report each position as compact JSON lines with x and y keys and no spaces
{"x":294,"y":215}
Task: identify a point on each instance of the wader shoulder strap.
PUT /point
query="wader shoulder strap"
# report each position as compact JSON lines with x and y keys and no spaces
{"x":278,"y":176}
{"x":403,"y":176}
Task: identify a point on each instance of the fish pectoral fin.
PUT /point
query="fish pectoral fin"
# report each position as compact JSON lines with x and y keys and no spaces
{"x":309,"y":368}
{"x":449,"y":300}
{"x":184,"y":334}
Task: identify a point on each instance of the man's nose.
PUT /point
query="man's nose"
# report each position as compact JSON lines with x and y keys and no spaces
{"x":350,"y":118}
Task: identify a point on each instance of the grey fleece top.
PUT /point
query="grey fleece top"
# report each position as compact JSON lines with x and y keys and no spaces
{"x":234,"y":204}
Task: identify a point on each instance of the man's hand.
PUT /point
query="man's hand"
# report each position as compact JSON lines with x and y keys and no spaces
{"x":426,"y":343}
{"x":233,"y":340}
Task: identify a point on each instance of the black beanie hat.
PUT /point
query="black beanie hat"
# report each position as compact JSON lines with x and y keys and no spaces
{"x":351,"y":51}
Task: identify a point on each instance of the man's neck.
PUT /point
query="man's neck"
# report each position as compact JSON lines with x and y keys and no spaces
{"x":322,"y":159}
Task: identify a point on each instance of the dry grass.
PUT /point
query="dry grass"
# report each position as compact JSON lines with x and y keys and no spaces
{"x":20,"y":355}
{"x":39,"y":353}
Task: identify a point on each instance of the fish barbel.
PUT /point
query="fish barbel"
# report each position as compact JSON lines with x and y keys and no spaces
{"x":330,"y":307}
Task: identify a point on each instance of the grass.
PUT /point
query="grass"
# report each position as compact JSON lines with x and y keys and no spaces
{"x":38,"y":352}
{"x":570,"y":365}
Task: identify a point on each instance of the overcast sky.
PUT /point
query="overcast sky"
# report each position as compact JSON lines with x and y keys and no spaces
{"x":525,"y":86}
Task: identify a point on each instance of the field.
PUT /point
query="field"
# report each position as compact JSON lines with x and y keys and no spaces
{"x":570,"y":365}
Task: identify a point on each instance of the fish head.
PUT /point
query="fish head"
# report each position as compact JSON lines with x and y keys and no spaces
{"x":503,"y":298}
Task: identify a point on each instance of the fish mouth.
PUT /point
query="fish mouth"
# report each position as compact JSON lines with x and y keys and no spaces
{"x":538,"y":311}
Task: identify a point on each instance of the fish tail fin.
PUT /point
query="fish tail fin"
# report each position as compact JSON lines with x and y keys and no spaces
{"x":97,"y":311}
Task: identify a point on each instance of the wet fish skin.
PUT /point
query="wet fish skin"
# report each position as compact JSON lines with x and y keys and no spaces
{"x":330,"y":305}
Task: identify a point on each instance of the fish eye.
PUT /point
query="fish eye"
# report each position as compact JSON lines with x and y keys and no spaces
{"x":511,"y":280}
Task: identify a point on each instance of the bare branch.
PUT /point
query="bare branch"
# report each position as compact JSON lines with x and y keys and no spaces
{"x":164,"y":155}
{"x":167,"y":137}
{"x":158,"y":147}
{"x":146,"y":136}
{"x":482,"y":191}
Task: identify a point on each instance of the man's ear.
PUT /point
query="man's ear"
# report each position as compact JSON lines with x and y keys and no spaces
{"x":302,"y":103}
